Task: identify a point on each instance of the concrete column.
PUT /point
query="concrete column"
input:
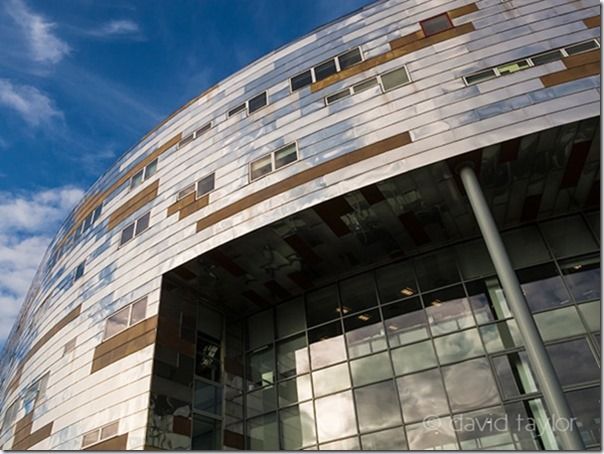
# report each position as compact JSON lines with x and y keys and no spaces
{"x":535,"y":349}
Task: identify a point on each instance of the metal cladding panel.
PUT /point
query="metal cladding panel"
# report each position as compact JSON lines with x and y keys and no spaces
{"x":442,"y":116}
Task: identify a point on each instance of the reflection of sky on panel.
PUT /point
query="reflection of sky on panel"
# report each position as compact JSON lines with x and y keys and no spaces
{"x":331,"y":379}
{"x":377,"y":406}
{"x":585,"y":285}
{"x":545,"y":293}
{"x":573,"y":362}
{"x":297,"y":426}
{"x":328,"y":351}
{"x":483,"y":429}
{"x":440,"y":435}
{"x":422,"y":395}
{"x":335,"y":416}
{"x":458,"y":346}
{"x":386,"y":440}
{"x":452,"y":315}
{"x":470,"y":385}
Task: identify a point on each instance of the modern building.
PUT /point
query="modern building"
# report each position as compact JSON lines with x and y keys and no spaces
{"x":299,"y":259}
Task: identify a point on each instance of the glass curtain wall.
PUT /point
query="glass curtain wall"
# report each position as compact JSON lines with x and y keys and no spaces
{"x":414,"y":355}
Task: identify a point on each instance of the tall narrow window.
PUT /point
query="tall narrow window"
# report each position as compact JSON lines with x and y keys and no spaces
{"x":205,"y":185}
{"x":136,"y":228}
{"x":436,"y":24}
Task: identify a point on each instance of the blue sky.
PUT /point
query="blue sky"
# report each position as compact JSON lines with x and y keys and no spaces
{"x":82,"y":81}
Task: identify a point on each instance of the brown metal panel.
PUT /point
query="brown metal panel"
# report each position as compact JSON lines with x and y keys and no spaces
{"x":133,"y":204}
{"x":117,"y":443}
{"x":179,"y":204}
{"x":197,"y":205}
{"x":408,"y":39}
{"x":302,"y":248}
{"x":463,"y":10}
{"x":305,"y":176}
{"x":34,"y":438}
{"x":225,"y":262}
{"x":567,"y":75}
{"x":128,"y":335}
{"x":574,"y":61}
{"x":592,"y":22}
{"x":331,"y":212}
{"x":233,"y":439}
{"x":372,"y":194}
{"x":181,"y":425}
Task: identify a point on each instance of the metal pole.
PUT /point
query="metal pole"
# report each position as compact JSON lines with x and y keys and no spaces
{"x":538,"y":357}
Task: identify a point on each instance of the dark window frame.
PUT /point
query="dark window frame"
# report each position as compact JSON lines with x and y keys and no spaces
{"x":422,"y":24}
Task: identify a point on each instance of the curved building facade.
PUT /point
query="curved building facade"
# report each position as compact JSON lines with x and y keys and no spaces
{"x":293,"y":259}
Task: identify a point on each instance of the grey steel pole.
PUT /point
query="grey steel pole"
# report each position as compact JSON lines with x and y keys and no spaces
{"x":538,"y":357}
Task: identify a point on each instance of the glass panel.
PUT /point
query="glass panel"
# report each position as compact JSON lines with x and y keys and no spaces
{"x":422,"y":395}
{"x":97,"y":213}
{"x":435,"y":25}
{"x":394,"y":79}
{"x":205,"y":185}
{"x":487,"y":300}
{"x":296,"y":390}
{"x":322,"y":305}
{"x":139,"y":310}
{"x":326,"y":345}
{"x":337,"y":96}
{"x":377,"y":406}
{"x":208,"y":397}
{"x":137,"y":179}
{"x":395,"y":282}
{"x":514,"y":374}
{"x":142,"y":223}
{"x":364,"y":333}
{"x":438,"y":434}
{"x":301,"y":80}
{"x":474,"y":259}
{"x":335,"y":416}
{"x":127,"y":234}
{"x":207,"y":358}
{"x":261,"y":167}
{"x":586,"y":406}
{"x":285,"y":156}
{"x":593,"y":219}
{"x":510,"y":68}
{"x":117,"y":322}
{"x":458,"y":346}
{"x":525,"y":247}
{"x":349,"y":58}
{"x":480,"y":77}
{"x":470,"y":385}
{"x":582,"y":47}
{"x":568,"y":236}
{"x":186,"y":191}
{"x":448,"y":310}
{"x":405,"y":322}
{"x":206,"y":434}
{"x":349,"y":444}
{"x":358,"y":293}
{"x":501,"y":336}
{"x":109,"y":431}
{"x":484,"y":429}
{"x":262,"y":433}
{"x":292,"y":357}
{"x":261,"y":368}
{"x":151,"y":169}
{"x":523,"y":430}
{"x":325,"y":69}
{"x":330,"y":380}
{"x":436,"y":270}
{"x":261,"y":401}
{"x":573,"y":362}
{"x":371,"y":369}
{"x":257,"y":102}
{"x":386,"y":440}
{"x":583,"y":278}
{"x":413,"y":357}
{"x":543,"y":287}
{"x":546,"y":57}
{"x":260,"y":329}
{"x":559,"y":323}
{"x":591,"y":314}
{"x":290,"y":317}
{"x":236,"y":110}
{"x":297,"y":426}
{"x":365,"y":85}
{"x":90,"y":438}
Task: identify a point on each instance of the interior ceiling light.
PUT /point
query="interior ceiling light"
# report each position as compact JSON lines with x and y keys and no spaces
{"x":407,"y":291}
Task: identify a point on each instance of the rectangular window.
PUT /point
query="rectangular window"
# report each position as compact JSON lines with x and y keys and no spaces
{"x":325,"y":70}
{"x":582,"y":47}
{"x":547,"y":57}
{"x":79,"y":271}
{"x":144,"y":174}
{"x":349,"y":58}
{"x":102,"y":433}
{"x":481,"y":76}
{"x":205,"y":185}
{"x":261,"y":167}
{"x":513,"y":67}
{"x":137,"y":179}
{"x":436,"y":24}
{"x":336,"y":96}
{"x":11,"y":414}
{"x":126,"y":317}
{"x":236,"y":110}
{"x":203,"y":129}
{"x":186,"y":140}
{"x":69,"y":346}
{"x":257,"y":102}
{"x":186,"y":191}
{"x":134,"y":229}
{"x":96,"y":214}
{"x":365,"y":85}
{"x":285,"y":156}
{"x":395,"y":78}
{"x":301,"y":80}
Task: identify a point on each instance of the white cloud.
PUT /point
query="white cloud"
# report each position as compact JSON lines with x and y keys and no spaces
{"x":44,"y":45}
{"x":35,"y":107}
{"x":27,"y":224}
{"x":117,"y":27}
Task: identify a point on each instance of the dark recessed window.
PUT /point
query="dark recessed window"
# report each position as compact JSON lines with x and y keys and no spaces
{"x":277,"y":159}
{"x":395,"y":78}
{"x":480,"y":77}
{"x":436,"y":24}
{"x":186,"y":140}
{"x":203,"y":129}
{"x":142,"y":223}
{"x":547,"y":57}
{"x":79,"y":271}
{"x":261,"y":167}
{"x":236,"y":110}
{"x":336,"y":96}
{"x":186,"y":191}
{"x":325,"y":70}
{"x":257,"y":102}
{"x":285,"y":156}
{"x":582,"y":47}
{"x":205,"y":185}
{"x":135,"y":228}
{"x":365,"y":85}
{"x":301,"y":80}
{"x":349,"y":58}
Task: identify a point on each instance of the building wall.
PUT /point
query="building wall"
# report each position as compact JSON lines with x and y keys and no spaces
{"x":375,"y":135}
